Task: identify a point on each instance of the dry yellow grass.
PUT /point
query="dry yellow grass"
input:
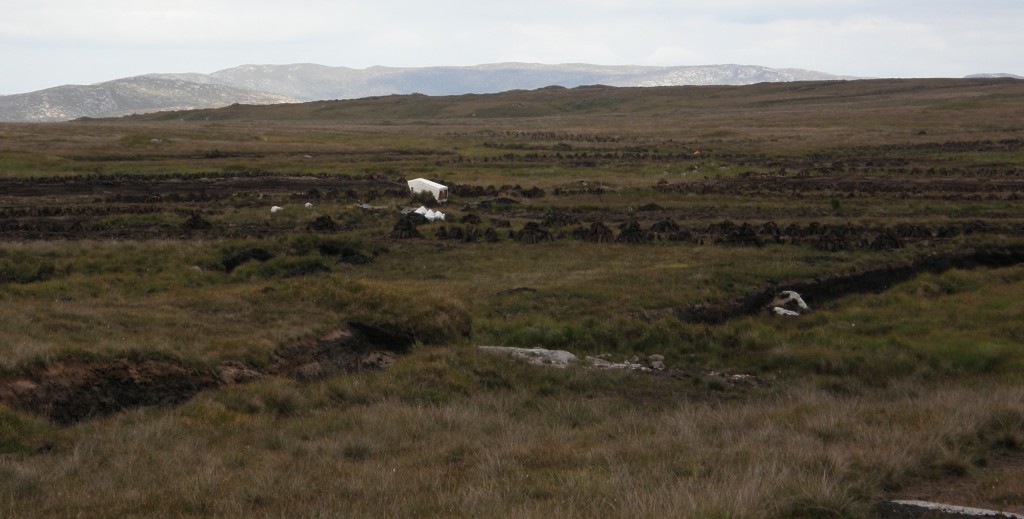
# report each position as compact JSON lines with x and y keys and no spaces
{"x":355,"y":446}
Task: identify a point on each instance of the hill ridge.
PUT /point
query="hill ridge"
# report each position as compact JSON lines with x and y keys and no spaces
{"x":269,"y":84}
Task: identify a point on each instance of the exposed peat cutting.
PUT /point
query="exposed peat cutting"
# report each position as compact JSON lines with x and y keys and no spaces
{"x":830,"y":287}
{"x":74,"y":389}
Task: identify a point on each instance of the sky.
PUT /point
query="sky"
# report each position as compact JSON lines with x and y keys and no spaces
{"x":47,"y":43}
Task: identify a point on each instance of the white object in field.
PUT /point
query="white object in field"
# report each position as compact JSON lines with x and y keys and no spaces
{"x":309,"y":205}
{"x":793,"y":296}
{"x":276,"y":208}
{"x":422,"y":210}
{"x":421,"y":185}
{"x":788,"y":302}
{"x":433,"y":215}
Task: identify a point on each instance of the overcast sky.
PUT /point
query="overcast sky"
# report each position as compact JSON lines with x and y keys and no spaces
{"x":45,"y":43}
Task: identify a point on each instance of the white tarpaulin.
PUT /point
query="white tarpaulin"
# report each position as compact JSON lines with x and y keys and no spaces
{"x":430,"y":214}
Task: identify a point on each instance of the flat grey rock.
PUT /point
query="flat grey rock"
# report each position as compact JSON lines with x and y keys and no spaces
{"x":911,"y":509}
{"x":539,"y":356}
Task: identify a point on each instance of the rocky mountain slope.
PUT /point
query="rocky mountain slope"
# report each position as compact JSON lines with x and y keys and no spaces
{"x":123,"y":97}
{"x":990,"y":75}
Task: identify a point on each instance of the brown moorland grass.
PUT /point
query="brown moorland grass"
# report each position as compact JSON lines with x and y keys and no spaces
{"x":456,"y":433}
{"x":759,"y":122}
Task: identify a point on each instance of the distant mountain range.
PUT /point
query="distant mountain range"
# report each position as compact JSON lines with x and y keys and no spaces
{"x":308,"y":82}
{"x":992,"y":76}
{"x":268,"y":84}
{"x":126,"y":96}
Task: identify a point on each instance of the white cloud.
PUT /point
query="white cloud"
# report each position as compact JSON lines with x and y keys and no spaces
{"x":80,"y":42}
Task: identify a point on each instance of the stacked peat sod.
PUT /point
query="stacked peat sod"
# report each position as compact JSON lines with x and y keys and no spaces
{"x":825,"y":237}
{"x":532,"y":232}
{"x":632,"y":233}
{"x":405,"y":229}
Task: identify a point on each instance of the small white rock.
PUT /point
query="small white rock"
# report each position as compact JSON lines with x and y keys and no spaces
{"x":795,"y":297}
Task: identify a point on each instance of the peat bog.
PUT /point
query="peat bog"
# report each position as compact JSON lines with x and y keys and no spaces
{"x":150,"y":297}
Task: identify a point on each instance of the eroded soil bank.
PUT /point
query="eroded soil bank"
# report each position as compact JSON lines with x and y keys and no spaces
{"x":74,"y":389}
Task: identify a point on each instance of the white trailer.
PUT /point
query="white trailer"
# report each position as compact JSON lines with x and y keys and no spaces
{"x":420,"y":185}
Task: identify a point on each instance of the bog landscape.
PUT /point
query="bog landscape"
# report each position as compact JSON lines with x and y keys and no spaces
{"x":171,"y":346}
